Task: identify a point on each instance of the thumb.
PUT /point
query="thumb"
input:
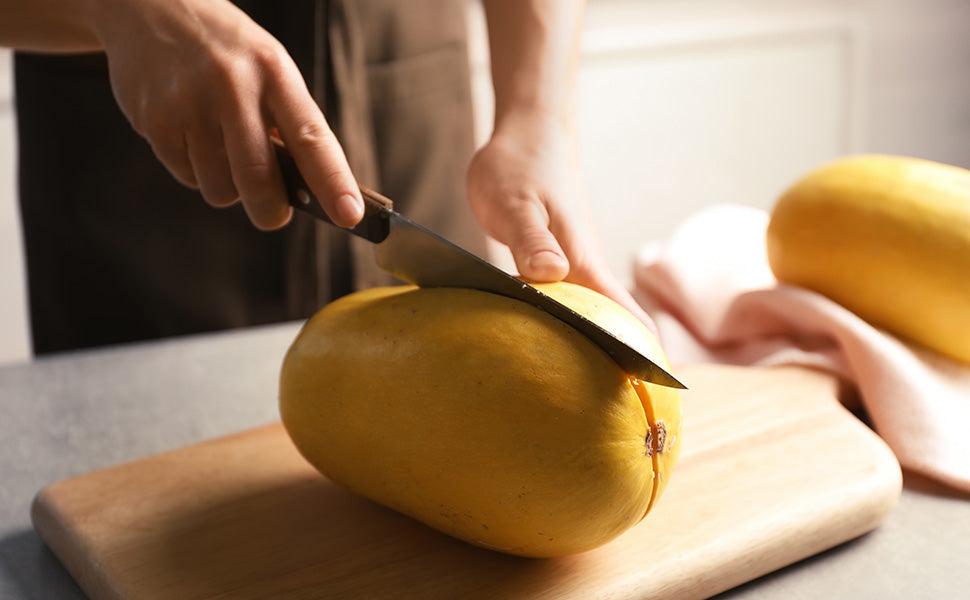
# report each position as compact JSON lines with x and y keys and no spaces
{"x":538,"y":256}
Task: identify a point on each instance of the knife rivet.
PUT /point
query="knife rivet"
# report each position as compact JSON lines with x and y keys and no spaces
{"x":303,"y":195}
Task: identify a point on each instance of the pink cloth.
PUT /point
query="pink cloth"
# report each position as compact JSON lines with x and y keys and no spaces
{"x":715,"y":299}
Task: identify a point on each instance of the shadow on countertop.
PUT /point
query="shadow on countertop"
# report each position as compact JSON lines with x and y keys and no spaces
{"x":30,"y":571}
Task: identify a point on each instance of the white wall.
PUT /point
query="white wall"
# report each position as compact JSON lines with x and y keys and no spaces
{"x":919,"y":77}
{"x":14,"y":338}
{"x":686,"y":103}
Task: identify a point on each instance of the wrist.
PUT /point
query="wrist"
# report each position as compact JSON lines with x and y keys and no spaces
{"x":530,"y":123}
{"x":106,"y":19}
{"x":125,"y":22}
{"x":533,"y":108}
{"x":534,"y":50}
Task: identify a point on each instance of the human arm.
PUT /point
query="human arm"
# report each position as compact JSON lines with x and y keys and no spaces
{"x":205,"y":86}
{"x":524,"y":183}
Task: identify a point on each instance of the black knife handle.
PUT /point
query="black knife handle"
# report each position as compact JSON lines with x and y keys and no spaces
{"x":373,"y":227}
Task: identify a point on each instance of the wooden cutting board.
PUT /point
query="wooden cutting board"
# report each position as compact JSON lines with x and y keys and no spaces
{"x":773,"y":470}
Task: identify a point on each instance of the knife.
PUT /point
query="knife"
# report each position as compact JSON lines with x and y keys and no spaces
{"x":418,"y":256}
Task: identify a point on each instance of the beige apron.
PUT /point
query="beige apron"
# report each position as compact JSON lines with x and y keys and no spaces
{"x":403,"y":94}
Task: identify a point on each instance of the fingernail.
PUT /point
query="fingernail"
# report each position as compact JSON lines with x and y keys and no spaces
{"x":350,"y":210}
{"x":548,"y":264}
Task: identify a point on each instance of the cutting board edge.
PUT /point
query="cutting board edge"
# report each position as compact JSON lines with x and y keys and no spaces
{"x":871,"y":509}
{"x":47,"y":515}
{"x":49,"y":523}
{"x":869,"y":502}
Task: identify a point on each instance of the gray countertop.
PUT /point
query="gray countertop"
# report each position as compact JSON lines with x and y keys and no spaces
{"x":68,"y":414}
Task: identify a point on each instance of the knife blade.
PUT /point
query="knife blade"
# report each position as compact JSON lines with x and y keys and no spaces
{"x":421,"y":257}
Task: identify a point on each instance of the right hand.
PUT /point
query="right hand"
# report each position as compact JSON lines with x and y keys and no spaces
{"x":205,"y":85}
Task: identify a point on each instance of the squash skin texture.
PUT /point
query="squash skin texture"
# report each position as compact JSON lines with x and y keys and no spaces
{"x":888,"y":238}
{"x":479,"y":415}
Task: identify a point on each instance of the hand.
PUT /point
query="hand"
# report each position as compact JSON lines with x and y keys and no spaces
{"x":524,"y":187}
{"x":205,"y":85}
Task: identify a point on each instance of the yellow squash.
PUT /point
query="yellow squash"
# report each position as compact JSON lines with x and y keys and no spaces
{"x":886,"y":237}
{"x":482,"y":416}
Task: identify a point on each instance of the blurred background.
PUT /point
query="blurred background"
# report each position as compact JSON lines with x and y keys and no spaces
{"x":688,"y":103}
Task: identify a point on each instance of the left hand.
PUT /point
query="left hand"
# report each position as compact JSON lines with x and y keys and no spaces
{"x":525,"y":188}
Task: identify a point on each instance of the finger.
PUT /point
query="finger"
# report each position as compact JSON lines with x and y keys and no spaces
{"x":255,"y":171}
{"x":525,"y":230}
{"x":168,"y":142}
{"x":171,"y":150}
{"x":212,"y":170}
{"x":588,"y":266}
{"x":316,"y":151}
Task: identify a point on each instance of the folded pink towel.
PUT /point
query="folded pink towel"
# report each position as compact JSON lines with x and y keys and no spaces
{"x":715,"y":299}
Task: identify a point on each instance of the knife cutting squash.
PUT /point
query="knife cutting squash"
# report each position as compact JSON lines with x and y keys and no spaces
{"x":887,"y":237}
{"x":482,"y":416}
